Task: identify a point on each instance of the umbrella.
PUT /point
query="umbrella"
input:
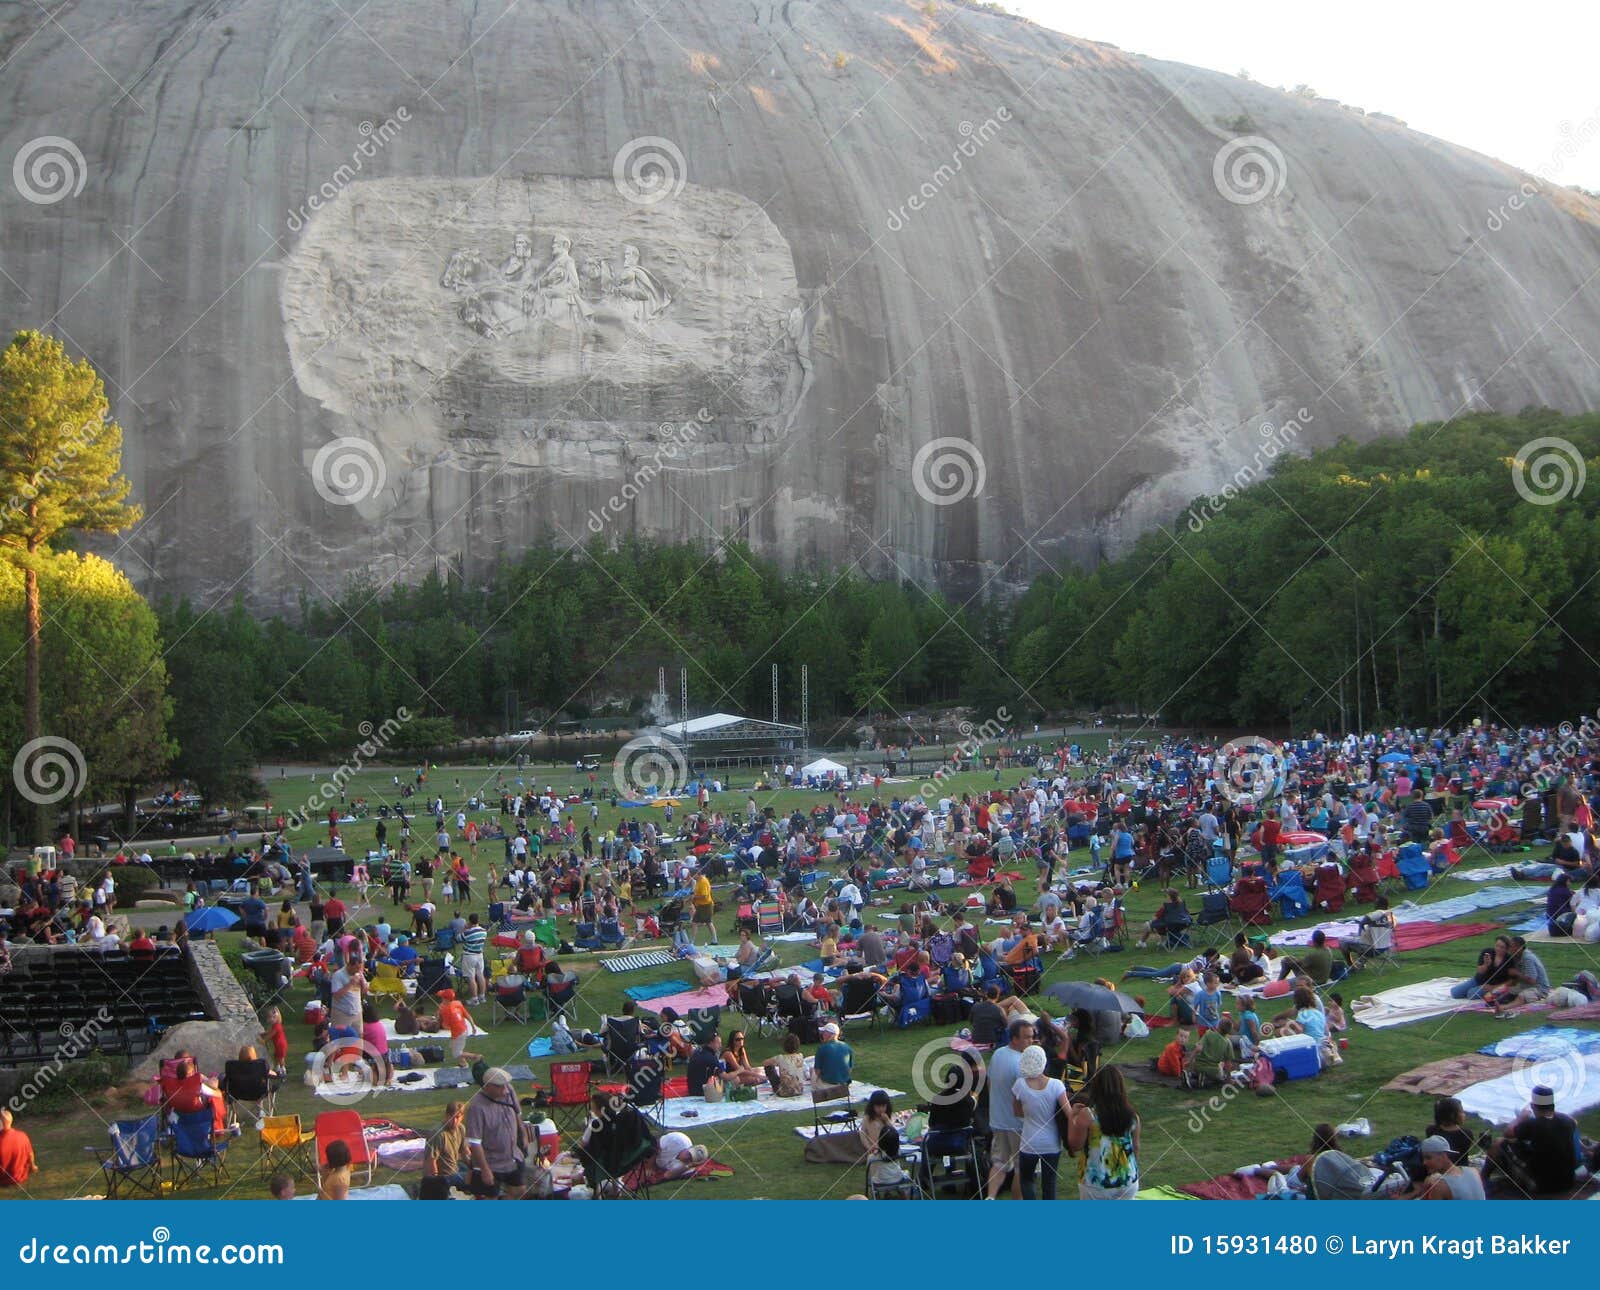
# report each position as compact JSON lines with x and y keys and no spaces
{"x":210,"y":918}
{"x":1096,"y":998}
{"x":1394,"y":757}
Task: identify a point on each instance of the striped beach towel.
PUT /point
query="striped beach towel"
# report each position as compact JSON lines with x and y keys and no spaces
{"x":632,"y":962}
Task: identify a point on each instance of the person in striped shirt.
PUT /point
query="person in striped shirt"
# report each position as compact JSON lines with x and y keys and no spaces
{"x":474,"y":941}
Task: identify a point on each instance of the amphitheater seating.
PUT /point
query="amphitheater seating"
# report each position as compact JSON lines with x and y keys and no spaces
{"x":81,"y":1001}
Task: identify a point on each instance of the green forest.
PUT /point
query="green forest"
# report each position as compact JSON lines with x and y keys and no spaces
{"x":1403,"y":579}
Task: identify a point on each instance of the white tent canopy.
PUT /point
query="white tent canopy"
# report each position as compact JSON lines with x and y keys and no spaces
{"x":822,"y":767}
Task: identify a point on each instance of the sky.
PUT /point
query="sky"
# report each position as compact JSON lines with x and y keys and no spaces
{"x":1516,"y":81}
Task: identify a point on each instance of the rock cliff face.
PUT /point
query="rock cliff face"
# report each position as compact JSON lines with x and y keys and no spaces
{"x":388,"y":288}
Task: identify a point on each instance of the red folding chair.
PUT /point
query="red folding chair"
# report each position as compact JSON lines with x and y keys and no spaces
{"x":569,"y":1091}
{"x":345,"y":1127}
{"x":1328,"y":892}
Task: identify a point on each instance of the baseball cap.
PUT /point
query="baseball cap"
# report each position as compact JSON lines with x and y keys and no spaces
{"x":497,"y":1075}
{"x":1543,"y":1096}
{"x":830,"y":1029}
{"x":1434,"y":1145}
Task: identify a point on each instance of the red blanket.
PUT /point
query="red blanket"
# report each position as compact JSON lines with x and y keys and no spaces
{"x":1233,"y":1187}
{"x":1418,"y":936}
{"x":673,"y":1086}
{"x":653,"y":1177}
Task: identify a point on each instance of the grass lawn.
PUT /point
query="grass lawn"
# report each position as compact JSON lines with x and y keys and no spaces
{"x":1187,"y":1135}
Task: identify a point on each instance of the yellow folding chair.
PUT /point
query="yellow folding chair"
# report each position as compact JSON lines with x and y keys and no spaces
{"x":386,"y":979}
{"x":283,"y":1144}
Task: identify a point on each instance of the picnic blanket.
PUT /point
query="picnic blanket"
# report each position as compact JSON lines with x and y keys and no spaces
{"x":1490,"y":873}
{"x":1434,"y":911}
{"x":1236,"y":1186}
{"x":1501,"y":1100}
{"x":1404,"y":1003}
{"x":711,"y":996}
{"x":1449,"y":1075}
{"x":1145,"y":1073}
{"x":795,"y":937}
{"x":1583,"y":1012}
{"x":351,"y":1088}
{"x":650,"y":1176}
{"x":1161,"y":1193}
{"x":388,"y":1191}
{"x":1418,"y":936}
{"x":1545,"y":1043}
{"x":690,"y":1112}
{"x":633,"y":962}
{"x":658,"y":989}
{"x":394,"y":1037}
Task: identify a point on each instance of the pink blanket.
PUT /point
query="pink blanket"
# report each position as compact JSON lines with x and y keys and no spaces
{"x":1418,"y":936}
{"x":711,"y":996}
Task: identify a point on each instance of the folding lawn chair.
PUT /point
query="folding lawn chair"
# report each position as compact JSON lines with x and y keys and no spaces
{"x":759,"y":1007}
{"x":199,"y":1153}
{"x":282,"y":1140}
{"x":1374,"y":948}
{"x":343,"y":1126}
{"x":858,"y":1000}
{"x":1250,"y":902}
{"x":1290,"y":893}
{"x":134,"y":1157}
{"x":569,"y":1092}
{"x":251,"y":1085}
{"x":511,"y":1000}
{"x":1329,"y":888}
{"x":839,"y":1118}
{"x":916,"y":1004}
{"x":769,"y":918}
{"x":620,"y":1038}
{"x":387,"y":979}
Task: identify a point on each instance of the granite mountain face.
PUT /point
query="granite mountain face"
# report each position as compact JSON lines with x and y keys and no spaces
{"x":384,"y":290}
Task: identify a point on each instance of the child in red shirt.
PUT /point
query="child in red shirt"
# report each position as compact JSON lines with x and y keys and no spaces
{"x":277,"y":1039}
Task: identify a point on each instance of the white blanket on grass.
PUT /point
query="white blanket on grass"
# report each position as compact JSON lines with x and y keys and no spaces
{"x":1405,"y":1003}
{"x":1575,"y":1077}
{"x":765,"y":1103}
{"x":351,"y":1088}
{"x":431,"y":1037}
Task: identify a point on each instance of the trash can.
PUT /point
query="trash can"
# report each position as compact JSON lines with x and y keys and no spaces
{"x":269,"y":967}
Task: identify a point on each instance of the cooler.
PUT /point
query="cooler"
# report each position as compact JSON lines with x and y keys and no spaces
{"x":1293,"y":1057}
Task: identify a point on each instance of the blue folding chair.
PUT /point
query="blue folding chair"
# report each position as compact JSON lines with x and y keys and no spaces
{"x":134,"y":1157}
{"x":915,"y":1002}
{"x":1219,"y":870}
{"x":1290,"y":893}
{"x":198,"y":1154}
{"x":1412,"y":862}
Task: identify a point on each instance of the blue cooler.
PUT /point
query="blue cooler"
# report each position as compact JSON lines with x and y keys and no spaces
{"x":1293,"y":1057}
